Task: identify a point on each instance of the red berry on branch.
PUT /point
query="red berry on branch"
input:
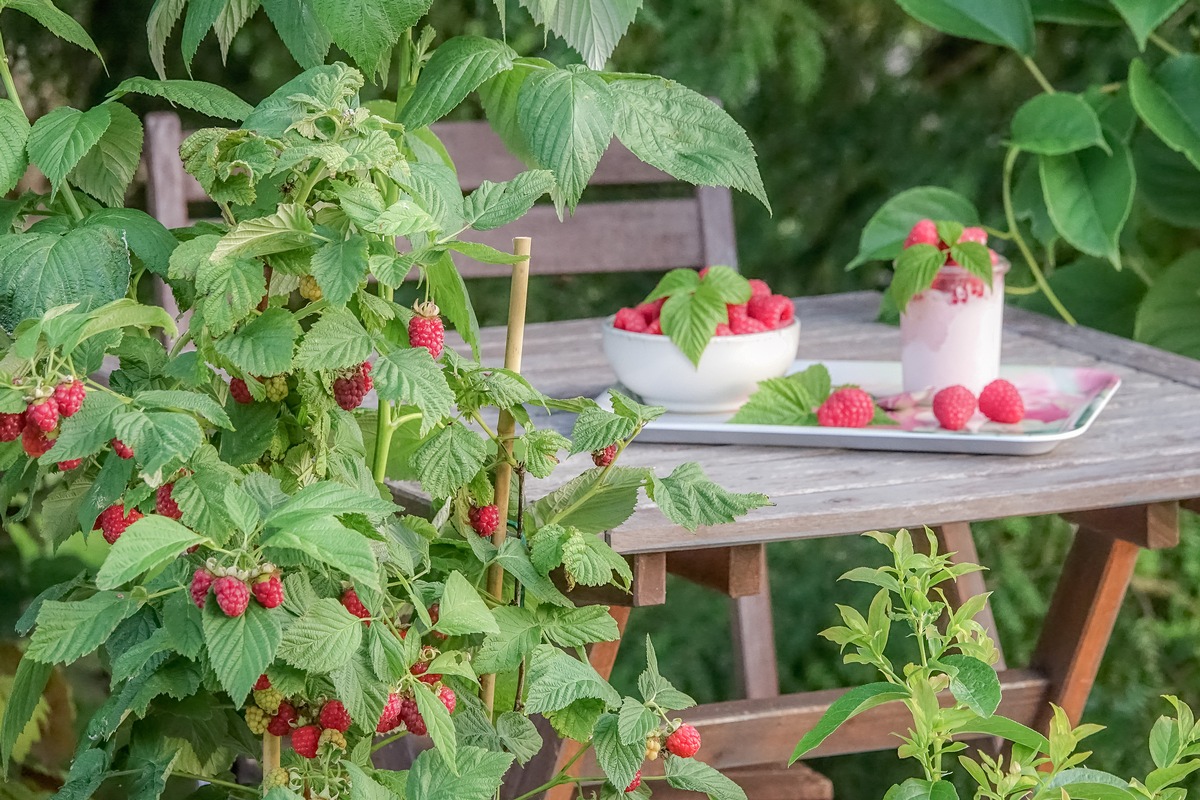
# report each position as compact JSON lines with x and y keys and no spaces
{"x":268,"y":591}
{"x":233,"y":596}
{"x":281,"y":723}
{"x":334,"y":715}
{"x":69,"y":464}
{"x":355,"y":606}
{"x":202,"y":581}
{"x":485,"y":520}
{"x":69,"y":397}
{"x":448,"y":698}
{"x":604,"y":456}
{"x":425,"y":329}
{"x":121,"y":449}
{"x":164,"y":504}
{"x":305,"y":740}
{"x":43,"y":414}
{"x":113,"y":521}
{"x":684,"y":742}
{"x":390,"y":718}
{"x":240,"y":391}
{"x":11,"y":425}
{"x":34,"y":441}
{"x":263,"y":683}
{"x":635,"y":783}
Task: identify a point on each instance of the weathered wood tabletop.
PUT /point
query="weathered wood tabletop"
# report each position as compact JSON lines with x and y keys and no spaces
{"x":1144,"y":446}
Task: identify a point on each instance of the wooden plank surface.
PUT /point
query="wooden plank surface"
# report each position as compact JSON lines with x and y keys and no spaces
{"x":1129,"y":457}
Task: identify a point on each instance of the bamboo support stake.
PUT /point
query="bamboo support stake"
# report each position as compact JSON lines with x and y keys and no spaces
{"x":517,"y":301}
{"x":270,"y":760}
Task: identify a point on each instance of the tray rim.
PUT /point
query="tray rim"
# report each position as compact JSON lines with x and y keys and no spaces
{"x":990,"y":443}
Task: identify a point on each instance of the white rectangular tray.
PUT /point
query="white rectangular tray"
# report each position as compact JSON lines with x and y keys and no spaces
{"x":1061,"y":403}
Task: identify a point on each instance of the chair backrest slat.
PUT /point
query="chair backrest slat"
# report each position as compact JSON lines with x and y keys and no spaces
{"x":639,"y":235}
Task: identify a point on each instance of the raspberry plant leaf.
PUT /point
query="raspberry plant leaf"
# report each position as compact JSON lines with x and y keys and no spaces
{"x":410,"y":377}
{"x":339,"y":267}
{"x":455,"y":70}
{"x":325,"y":638}
{"x":635,"y":722}
{"x":201,"y":404}
{"x":265,"y":345}
{"x":518,"y":634}
{"x":791,"y":400}
{"x":60,"y":140}
{"x":688,"y":498}
{"x":492,"y":205}
{"x":227,"y":290}
{"x":207,"y":98}
{"x":68,"y":631}
{"x":556,"y":680}
{"x":85,"y":433}
{"x":477,"y":777}
{"x":24,"y":695}
{"x":448,"y":459}
{"x":240,"y":648}
{"x":106,"y":170}
{"x":691,"y":775}
{"x":514,"y":559}
{"x":441,"y":727}
{"x":618,"y":759}
{"x":608,"y":499}
{"x":519,"y":735}
{"x":463,"y":610}
{"x":14,"y":133}
{"x":329,"y":542}
{"x":151,"y":542}
{"x":596,"y":429}
{"x":336,"y":341}
{"x":1056,"y":124}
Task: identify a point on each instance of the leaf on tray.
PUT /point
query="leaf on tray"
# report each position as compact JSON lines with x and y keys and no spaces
{"x":791,"y":400}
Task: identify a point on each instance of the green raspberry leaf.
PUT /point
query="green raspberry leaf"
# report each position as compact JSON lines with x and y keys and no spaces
{"x":478,"y":776}
{"x":688,"y":498}
{"x":265,"y":346}
{"x":676,"y":281}
{"x":200,"y":404}
{"x":148,"y":544}
{"x":590,"y":561}
{"x":463,"y":610}
{"x":691,"y":775}
{"x":974,"y":258}
{"x":596,"y":429}
{"x":66,"y":632}
{"x":337,"y":341}
{"x":790,"y":400}
{"x":518,"y":634}
{"x":106,"y":170}
{"x":437,"y":720}
{"x":287,"y":229}
{"x":59,"y":140}
{"x":538,"y":450}
{"x":325,"y":638}
{"x":611,"y":497}
{"x":330,"y":542}
{"x":158,"y":438}
{"x":88,"y":431}
{"x":619,"y":760}
{"x":916,"y":267}
{"x":635,"y":722}
{"x":241,"y":648}
{"x":495,"y":204}
{"x":556,"y":680}
{"x":449,"y":459}
{"x":340,"y":267}
{"x":576,"y":627}
{"x":410,"y":377}
{"x":691,"y":319}
{"x":519,"y":735}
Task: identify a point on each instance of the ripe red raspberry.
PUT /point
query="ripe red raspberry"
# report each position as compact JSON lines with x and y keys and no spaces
{"x":723,"y":329}
{"x":412,"y":717}
{"x":655,"y":328}
{"x":164,"y":504}
{"x":652,"y":310}
{"x":1001,"y":402}
{"x":43,"y":414}
{"x":774,"y":311}
{"x":684,"y":742}
{"x":305,"y":740}
{"x":425,"y":329}
{"x":113,"y":521}
{"x":11,"y":425}
{"x":485,"y":520}
{"x":233,"y":596}
{"x":924,"y":232}
{"x":268,"y":591}
{"x":240,"y":392}
{"x":277,"y":388}
{"x":759,"y":288}
{"x":849,"y":407}
{"x":69,"y":397}
{"x":743,"y":325}
{"x":953,"y":407}
{"x":635,"y":783}
{"x":604,"y":456}
{"x":34,"y":441}
{"x":263,"y":683}
{"x":630,"y":319}
{"x":390,"y":718}
{"x":350,"y":389}
{"x":334,"y":715}
{"x":70,"y":464}
{"x":354,"y":605}
{"x":121,"y":449}
{"x":202,"y":581}
{"x":448,"y":698}
{"x":434,"y":613}
{"x":281,"y":723}
{"x":977,"y":235}
{"x":739,"y":311}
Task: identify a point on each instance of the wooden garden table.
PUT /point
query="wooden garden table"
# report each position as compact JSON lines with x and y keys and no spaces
{"x":1122,"y":483}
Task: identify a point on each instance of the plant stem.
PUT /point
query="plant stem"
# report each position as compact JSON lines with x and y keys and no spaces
{"x":10,"y":86}
{"x":1166,"y":46}
{"x":72,"y":203}
{"x":1010,"y":161}
{"x":180,"y":343}
{"x":558,"y":779}
{"x":1032,"y":66}
{"x":385,"y":742}
{"x":384,"y":427}
{"x":187,"y":776}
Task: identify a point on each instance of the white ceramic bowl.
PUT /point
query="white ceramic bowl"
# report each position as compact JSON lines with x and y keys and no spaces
{"x":653,"y":367}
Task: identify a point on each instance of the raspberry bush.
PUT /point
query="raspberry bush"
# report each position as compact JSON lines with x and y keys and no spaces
{"x":261,"y":585}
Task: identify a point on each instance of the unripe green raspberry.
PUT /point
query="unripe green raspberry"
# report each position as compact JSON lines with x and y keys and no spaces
{"x":277,"y":388}
{"x":257,"y":719}
{"x":268,"y":700}
{"x":309,"y":289}
{"x":332,"y":737}
{"x":277,"y":778}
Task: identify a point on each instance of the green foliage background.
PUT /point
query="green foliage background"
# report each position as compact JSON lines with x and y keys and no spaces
{"x":848,"y":103}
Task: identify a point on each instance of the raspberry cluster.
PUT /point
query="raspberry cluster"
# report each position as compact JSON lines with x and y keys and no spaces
{"x":764,"y":311}
{"x":355,"y":606}
{"x":960,"y":287}
{"x":485,"y":520}
{"x":113,"y":521}
{"x":604,"y":456}
{"x":425,"y":329}
{"x":350,"y":388}
{"x":281,"y":723}
{"x":37,"y":425}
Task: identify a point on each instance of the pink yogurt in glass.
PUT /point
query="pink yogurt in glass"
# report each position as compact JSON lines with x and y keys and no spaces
{"x":950,"y":333}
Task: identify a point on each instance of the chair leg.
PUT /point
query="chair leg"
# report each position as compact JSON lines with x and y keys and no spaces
{"x":755,"y":669}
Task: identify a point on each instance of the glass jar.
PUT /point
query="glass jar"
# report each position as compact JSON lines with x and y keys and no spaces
{"x":950,"y":333}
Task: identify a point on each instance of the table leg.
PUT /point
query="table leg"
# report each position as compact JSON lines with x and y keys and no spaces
{"x":1080,"y":619}
{"x":956,"y":538}
{"x":602,"y":655}
{"x":754,"y":659}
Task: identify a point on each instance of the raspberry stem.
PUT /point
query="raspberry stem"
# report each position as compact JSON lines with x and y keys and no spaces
{"x":1010,"y":216}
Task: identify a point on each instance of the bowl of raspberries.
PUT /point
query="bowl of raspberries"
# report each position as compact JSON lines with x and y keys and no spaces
{"x":681,"y":370}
